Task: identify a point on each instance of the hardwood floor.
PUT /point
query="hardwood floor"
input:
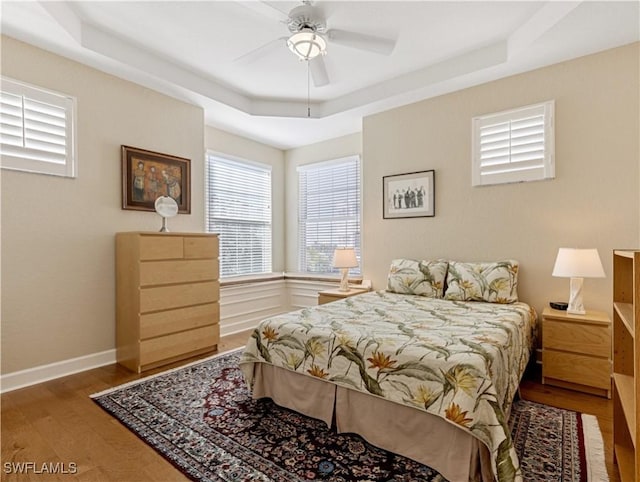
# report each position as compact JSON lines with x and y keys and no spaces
{"x":56,"y":422}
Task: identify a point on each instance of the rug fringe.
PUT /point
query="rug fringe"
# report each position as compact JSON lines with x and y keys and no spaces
{"x":151,"y":377}
{"x":594,"y":449}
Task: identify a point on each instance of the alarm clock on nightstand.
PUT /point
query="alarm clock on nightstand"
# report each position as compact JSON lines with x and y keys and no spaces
{"x":559,"y":305}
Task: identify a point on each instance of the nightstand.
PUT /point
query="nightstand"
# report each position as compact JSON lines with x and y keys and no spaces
{"x":576,"y":351}
{"x":327,"y":296}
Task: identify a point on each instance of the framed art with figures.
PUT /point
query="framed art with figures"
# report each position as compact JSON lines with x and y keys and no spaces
{"x":410,"y":195}
{"x":147,"y":175}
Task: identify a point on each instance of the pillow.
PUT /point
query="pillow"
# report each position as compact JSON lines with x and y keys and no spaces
{"x":423,"y":278}
{"x":493,"y":282}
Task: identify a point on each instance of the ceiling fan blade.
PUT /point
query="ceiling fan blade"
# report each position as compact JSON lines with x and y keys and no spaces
{"x":318,"y":71}
{"x":266,"y":10}
{"x":362,"y":41}
{"x":260,"y":52}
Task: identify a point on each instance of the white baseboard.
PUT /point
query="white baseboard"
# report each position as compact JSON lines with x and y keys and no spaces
{"x":43,"y":373}
{"x":248,"y":324}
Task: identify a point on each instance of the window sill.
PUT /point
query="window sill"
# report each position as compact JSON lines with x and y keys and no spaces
{"x":253,"y":278}
{"x":321,"y":277}
{"x":262,"y":278}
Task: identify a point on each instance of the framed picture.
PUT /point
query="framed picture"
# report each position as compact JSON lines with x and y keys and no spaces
{"x":410,"y":195}
{"x":148,"y":175}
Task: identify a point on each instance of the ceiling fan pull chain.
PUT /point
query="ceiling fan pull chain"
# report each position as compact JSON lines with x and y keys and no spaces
{"x":308,"y":90}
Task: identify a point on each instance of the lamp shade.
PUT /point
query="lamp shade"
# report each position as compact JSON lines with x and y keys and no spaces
{"x":344,"y":258}
{"x":578,"y":263}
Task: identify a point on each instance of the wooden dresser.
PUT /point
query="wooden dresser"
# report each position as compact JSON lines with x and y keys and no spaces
{"x":167,"y":297}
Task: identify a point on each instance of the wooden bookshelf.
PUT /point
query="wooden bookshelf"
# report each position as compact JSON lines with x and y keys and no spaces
{"x":624,"y":385}
{"x":626,"y":362}
{"x":625,"y":311}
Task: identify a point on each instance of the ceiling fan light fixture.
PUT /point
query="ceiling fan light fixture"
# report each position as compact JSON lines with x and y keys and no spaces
{"x":307,"y":44}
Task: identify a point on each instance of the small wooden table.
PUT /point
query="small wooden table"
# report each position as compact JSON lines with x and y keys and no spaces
{"x":327,"y":296}
{"x":576,"y":351}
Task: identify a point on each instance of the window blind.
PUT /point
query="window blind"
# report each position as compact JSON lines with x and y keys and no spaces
{"x":238,"y":201}
{"x":328,"y":213}
{"x":36,"y":130}
{"x":514,"y":146}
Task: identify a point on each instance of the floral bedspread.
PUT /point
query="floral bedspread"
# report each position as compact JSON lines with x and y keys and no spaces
{"x":459,"y":360}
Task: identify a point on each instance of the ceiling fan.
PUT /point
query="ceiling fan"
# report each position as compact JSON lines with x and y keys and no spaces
{"x":309,"y":36}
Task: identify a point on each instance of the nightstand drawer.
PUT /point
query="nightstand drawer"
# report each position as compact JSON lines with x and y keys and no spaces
{"x":577,"y":338}
{"x":581,"y":369}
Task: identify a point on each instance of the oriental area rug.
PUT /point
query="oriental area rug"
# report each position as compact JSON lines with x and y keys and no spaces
{"x":202,"y":419}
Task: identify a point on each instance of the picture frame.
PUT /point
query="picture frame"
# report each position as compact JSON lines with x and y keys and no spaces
{"x":410,"y":195}
{"x":147,"y":175}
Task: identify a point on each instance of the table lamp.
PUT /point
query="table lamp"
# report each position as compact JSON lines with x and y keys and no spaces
{"x":344,"y":258}
{"x":577,"y":264}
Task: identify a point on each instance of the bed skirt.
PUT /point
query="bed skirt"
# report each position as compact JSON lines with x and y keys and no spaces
{"x":406,"y":431}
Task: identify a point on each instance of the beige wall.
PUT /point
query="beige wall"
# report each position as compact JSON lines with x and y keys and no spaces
{"x":322,"y":151}
{"x":222,"y":142}
{"x":58,"y":283}
{"x":592,"y":202}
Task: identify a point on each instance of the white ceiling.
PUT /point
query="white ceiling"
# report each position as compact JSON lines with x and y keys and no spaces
{"x":192,"y":50}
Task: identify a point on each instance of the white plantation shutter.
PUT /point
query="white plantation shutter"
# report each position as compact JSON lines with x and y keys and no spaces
{"x":37,"y":130}
{"x":238,"y":202}
{"x":514,"y":146}
{"x":328,"y":213}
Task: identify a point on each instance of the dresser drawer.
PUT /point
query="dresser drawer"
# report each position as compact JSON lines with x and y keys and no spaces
{"x":578,"y":338}
{"x":570,"y":367}
{"x":178,"y":271}
{"x":177,"y":344}
{"x":201,"y":247}
{"x":161,"y":247}
{"x":169,"y":297}
{"x":181,"y":319}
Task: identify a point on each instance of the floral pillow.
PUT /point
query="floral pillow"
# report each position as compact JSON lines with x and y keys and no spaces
{"x":411,"y":277}
{"x":493,"y":282}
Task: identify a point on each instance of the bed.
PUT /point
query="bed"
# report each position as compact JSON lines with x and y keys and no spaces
{"x":420,"y":370}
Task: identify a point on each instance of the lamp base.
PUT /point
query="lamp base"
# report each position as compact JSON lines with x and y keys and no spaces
{"x":575,"y":312}
{"x":576,"y":305}
{"x":344,"y":279}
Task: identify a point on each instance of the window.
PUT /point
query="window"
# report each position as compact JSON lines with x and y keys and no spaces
{"x":37,"y":130}
{"x":329,"y":213}
{"x":514,"y":146}
{"x":238,"y":207}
